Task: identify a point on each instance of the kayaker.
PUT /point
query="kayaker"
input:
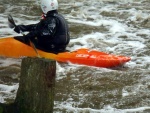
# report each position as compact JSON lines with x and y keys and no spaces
{"x":51,"y":34}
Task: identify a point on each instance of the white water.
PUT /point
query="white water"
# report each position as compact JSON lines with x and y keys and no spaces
{"x":119,"y":37}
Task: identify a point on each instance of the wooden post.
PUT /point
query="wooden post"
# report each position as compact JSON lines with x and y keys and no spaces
{"x":36,"y":88}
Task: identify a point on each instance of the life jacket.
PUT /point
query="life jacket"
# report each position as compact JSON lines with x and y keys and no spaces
{"x":61,"y":37}
{"x":62,"y":29}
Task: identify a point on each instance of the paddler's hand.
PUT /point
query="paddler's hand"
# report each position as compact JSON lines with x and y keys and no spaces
{"x":19,"y":28}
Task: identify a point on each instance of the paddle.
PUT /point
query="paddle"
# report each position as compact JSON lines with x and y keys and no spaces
{"x":12,"y":24}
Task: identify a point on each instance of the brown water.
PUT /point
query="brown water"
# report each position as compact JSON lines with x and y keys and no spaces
{"x":83,"y":89}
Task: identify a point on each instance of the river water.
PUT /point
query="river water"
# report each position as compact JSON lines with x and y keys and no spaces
{"x":120,"y":27}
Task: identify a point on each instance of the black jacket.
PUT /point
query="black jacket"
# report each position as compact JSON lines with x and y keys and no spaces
{"x":50,"y":34}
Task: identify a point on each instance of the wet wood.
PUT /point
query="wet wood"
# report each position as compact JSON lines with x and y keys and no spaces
{"x":36,"y":88}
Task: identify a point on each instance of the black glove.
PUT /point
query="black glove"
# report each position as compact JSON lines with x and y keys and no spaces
{"x":19,"y":28}
{"x":31,"y":35}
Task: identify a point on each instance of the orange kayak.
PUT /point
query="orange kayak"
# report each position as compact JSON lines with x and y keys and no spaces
{"x":10,"y":47}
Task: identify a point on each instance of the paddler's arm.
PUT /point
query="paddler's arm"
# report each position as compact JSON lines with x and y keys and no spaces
{"x":25,"y":28}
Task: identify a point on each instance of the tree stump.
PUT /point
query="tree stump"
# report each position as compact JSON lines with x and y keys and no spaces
{"x":36,"y":87}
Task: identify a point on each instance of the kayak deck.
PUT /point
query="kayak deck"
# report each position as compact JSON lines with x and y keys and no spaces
{"x":10,"y":47}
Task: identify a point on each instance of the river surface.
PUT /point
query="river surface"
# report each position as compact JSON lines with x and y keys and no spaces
{"x":119,"y":27}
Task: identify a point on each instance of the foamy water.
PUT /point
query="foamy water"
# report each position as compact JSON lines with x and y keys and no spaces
{"x":117,"y":27}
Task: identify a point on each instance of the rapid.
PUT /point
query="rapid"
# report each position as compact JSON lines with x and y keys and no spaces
{"x":120,"y":27}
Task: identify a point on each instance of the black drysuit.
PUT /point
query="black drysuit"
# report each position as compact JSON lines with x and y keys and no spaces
{"x":50,"y":34}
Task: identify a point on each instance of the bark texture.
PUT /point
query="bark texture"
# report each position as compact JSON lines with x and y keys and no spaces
{"x":36,"y":88}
